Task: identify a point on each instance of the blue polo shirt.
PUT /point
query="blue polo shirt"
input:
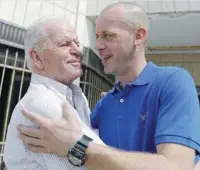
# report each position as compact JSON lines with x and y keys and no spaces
{"x":160,"y":106}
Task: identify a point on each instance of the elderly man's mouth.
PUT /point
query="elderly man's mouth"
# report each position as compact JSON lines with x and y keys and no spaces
{"x":76,"y":64}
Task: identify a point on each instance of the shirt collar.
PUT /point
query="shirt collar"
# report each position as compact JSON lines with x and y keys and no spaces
{"x":145,"y":77}
{"x":53,"y":84}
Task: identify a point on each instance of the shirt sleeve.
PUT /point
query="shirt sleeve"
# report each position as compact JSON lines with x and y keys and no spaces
{"x":16,"y":154}
{"x":178,"y":120}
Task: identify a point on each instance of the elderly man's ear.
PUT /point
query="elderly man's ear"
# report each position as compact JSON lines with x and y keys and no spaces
{"x":103,"y":94}
{"x":36,"y":60}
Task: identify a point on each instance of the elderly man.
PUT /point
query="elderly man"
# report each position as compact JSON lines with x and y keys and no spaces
{"x":54,"y":55}
{"x":151,"y":117}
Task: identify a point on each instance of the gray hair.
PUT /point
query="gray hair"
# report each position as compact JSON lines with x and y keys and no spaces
{"x":135,"y":15}
{"x":36,"y":37}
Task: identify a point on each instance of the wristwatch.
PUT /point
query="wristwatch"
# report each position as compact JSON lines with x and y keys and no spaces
{"x":76,"y":155}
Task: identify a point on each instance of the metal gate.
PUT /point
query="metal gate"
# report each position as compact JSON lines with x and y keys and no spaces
{"x":14,"y":82}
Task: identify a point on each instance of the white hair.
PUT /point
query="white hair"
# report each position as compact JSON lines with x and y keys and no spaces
{"x":36,"y":37}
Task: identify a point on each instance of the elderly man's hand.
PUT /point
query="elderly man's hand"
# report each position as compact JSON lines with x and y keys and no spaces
{"x":53,"y":136}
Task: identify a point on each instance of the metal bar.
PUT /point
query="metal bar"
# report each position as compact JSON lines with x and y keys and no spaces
{"x":3,"y":72}
{"x":1,"y":156}
{"x":22,"y":80}
{"x":17,"y":68}
{"x":85,"y":78}
{"x":92,"y":90}
{"x":96,"y":92}
{"x":9,"y":101}
{"x":12,"y":24}
{"x":89,"y":67}
{"x":12,"y":44}
{"x":91,"y":85}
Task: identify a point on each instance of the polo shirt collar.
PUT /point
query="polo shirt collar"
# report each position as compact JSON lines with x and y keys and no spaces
{"x":145,"y":77}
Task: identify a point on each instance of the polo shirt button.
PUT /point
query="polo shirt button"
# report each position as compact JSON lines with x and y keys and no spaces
{"x":121,"y":100}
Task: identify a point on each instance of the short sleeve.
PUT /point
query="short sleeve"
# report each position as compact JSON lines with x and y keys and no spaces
{"x":94,"y":116}
{"x":178,"y":120}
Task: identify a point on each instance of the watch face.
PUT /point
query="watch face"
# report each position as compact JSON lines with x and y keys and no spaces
{"x":74,"y":160}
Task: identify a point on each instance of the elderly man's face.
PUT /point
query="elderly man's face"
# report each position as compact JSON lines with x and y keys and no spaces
{"x":62,"y":60}
{"x":114,"y":42}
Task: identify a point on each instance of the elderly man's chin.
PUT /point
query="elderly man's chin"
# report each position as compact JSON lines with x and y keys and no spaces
{"x":77,"y":73}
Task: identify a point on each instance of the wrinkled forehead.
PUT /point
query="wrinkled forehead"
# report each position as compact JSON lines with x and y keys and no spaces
{"x":58,"y":31}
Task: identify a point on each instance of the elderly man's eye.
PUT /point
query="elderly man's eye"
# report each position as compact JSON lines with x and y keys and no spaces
{"x":65,"y":44}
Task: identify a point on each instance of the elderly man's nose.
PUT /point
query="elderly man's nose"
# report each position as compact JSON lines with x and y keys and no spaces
{"x":76,"y":51}
{"x":76,"y":47}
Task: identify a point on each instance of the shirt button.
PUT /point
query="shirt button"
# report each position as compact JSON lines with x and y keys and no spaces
{"x":121,"y":100}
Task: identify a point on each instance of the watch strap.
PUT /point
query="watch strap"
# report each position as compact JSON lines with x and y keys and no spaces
{"x":83,"y":142}
{"x":78,"y":151}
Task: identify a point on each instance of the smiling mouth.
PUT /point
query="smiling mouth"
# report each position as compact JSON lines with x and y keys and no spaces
{"x":76,"y":64}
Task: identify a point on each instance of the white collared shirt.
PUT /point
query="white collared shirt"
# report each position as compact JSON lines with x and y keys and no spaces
{"x":45,"y":97}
